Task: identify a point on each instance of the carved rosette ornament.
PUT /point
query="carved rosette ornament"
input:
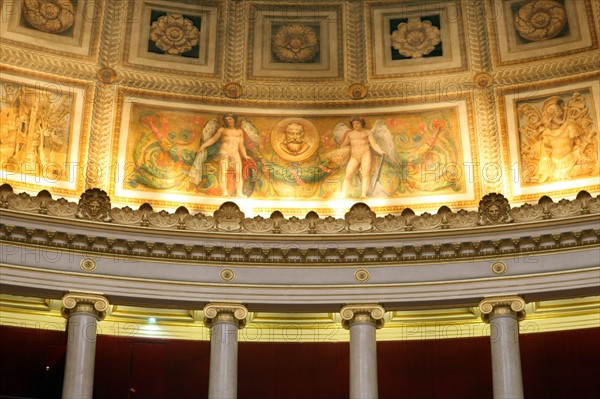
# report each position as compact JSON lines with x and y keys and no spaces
{"x":51,"y":16}
{"x":363,"y":313}
{"x":502,"y":305}
{"x":94,"y":304}
{"x":106,"y":75}
{"x":494,"y":209}
{"x":357,"y":91}
{"x":540,"y":20}
{"x":94,"y":204}
{"x":174,"y":34}
{"x":297,"y":43}
{"x":483,"y":80}
{"x":415,"y":38}
{"x":233,"y":90}
{"x":225,"y":312}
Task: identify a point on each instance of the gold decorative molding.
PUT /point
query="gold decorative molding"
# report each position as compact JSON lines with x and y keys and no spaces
{"x":422,"y":324}
{"x":94,"y":304}
{"x":225,"y":312}
{"x":362,"y":313}
{"x":493,"y":306}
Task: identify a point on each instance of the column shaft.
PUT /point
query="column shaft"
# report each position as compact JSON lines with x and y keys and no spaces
{"x":362,"y":320}
{"x":506,"y":359}
{"x":81,"y":353}
{"x":503,"y":313}
{"x":224,"y":319}
{"x":363,"y":361}
{"x":82,"y":310}
{"x":222,"y":383}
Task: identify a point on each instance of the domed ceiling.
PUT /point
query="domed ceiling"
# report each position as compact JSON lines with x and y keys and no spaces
{"x":395,"y":104}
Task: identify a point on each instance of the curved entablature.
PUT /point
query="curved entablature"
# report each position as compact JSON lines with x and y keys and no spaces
{"x":551,"y":253}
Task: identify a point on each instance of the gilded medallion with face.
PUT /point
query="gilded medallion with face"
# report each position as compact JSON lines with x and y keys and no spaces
{"x":295,"y":139}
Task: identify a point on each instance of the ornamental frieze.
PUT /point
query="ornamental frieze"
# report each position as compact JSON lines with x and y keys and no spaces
{"x":494,"y":210}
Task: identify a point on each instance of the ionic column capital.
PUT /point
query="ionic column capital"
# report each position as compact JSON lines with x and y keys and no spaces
{"x":232,"y":312}
{"x":95,"y":304}
{"x":494,"y":306}
{"x":365,"y":313}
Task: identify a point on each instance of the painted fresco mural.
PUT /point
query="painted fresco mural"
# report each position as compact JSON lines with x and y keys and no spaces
{"x":36,"y":130}
{"x":557,"y":138}
{"x":298,"y":157}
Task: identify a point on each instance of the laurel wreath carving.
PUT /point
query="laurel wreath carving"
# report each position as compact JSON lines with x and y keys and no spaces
{"x":111,"y":32}
{"x":237,"y":13}
{"x":355,"y":39}
{"x":101,"y":132}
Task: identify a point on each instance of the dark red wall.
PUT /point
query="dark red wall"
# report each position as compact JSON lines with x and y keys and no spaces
{"x":555,"y":365}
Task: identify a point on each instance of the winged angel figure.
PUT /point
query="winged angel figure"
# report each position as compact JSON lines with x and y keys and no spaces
{"x":356,"y":150}
{"x":228,"y":147}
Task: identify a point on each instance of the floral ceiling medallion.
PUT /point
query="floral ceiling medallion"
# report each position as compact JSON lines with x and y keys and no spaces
{"x":415,"y":38}
{"x":540,"y":20}
{"x":174,"y":34}
{"x":52,"y":16}
{"x":295,"y":43}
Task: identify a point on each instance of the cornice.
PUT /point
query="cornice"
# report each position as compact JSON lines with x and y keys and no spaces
{"x":361,"y":237}
{"x":95,"y":206}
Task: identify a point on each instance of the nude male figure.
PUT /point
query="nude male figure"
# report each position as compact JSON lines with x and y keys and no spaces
{"x":231,"y":153}
{"x":558,"y":157}
{"x":361,"y":141}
